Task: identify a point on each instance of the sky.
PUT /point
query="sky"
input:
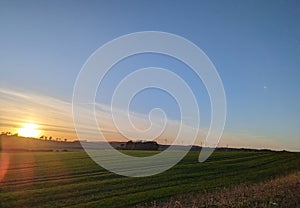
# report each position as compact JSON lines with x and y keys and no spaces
{"x":254,"y":45}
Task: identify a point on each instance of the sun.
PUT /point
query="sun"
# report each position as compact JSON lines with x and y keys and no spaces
{"x":29,"y":130}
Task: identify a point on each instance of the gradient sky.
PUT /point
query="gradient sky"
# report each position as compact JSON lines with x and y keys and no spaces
{"x":254,"y":45}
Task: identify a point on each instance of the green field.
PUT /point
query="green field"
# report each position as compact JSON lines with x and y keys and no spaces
{"x":72,"y":179}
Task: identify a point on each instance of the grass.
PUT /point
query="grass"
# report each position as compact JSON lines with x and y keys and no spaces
{"x":280,"y":192}
{"x":72,"y":179}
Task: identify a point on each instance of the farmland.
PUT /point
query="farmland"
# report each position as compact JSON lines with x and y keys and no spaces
{"x":72,"y":179}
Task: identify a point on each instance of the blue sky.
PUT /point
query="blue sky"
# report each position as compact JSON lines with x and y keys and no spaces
{"x":255,"y":46}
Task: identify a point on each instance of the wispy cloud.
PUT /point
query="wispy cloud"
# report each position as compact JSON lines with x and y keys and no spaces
{"x":51,"y":114}
{"x":54,"y":117}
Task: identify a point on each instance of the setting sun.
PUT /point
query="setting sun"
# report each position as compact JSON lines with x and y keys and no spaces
{"x":29,"y":130}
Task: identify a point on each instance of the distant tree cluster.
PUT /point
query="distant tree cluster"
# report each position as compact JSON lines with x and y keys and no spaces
{"x":50,"y":138}
{"x":141,"y":145}
{"x":43,"y":137}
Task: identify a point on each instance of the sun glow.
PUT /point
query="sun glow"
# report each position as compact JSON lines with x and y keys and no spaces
{"x":29,"y":130}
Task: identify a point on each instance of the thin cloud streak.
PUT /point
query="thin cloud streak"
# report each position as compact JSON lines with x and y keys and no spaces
{"x":54,"y":117}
